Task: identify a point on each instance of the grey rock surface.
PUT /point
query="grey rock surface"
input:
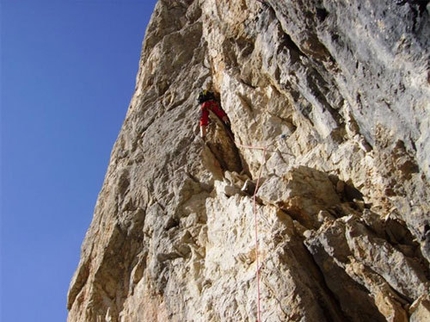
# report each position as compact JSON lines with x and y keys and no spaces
{"x":329,"y":104}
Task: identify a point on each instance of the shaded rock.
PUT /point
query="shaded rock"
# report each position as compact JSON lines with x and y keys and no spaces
{"x":329,"y":109}
{"x":302,"y":193}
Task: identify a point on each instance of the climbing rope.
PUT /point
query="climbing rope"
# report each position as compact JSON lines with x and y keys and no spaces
{"x":257,"y":259}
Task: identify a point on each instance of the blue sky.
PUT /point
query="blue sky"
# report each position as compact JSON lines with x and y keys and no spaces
{"x":68,"y":71}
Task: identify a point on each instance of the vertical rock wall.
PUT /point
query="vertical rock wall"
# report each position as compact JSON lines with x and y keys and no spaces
{"x":329,"y":104}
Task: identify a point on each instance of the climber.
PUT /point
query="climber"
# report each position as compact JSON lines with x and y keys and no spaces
{"x":209,"y":104}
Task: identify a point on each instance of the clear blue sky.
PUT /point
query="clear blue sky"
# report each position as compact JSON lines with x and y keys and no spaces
{"x":68,"y":71}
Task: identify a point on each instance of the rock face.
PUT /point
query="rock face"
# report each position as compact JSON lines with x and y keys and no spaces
{"x":329,"y":103}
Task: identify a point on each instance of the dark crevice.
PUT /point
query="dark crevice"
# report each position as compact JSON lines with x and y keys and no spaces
{"x":362,"y":308}
{"x":321,"y":14}
{"x":292,"y":46}
{"x":221,"y":144}
{"x":327,"y":299}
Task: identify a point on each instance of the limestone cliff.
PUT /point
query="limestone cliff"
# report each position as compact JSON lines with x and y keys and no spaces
{"x":329,"y":103}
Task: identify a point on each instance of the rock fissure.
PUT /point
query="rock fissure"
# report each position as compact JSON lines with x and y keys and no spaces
{"x":337,"y":93}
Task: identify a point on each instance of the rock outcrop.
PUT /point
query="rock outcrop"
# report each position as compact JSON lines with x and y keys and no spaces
{"x":329,"y":103}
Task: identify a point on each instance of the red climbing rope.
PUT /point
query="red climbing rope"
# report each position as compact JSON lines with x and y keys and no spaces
{"x":257,"y":260}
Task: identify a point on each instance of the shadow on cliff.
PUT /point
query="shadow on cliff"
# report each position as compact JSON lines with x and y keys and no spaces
{"x":221,"y":143}
{"x":224,"y":150}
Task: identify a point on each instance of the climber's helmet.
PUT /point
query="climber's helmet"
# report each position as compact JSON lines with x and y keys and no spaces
{"x":204,"y":96}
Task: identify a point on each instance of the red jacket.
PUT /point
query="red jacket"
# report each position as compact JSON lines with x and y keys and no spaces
{"x":210,"y":106}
